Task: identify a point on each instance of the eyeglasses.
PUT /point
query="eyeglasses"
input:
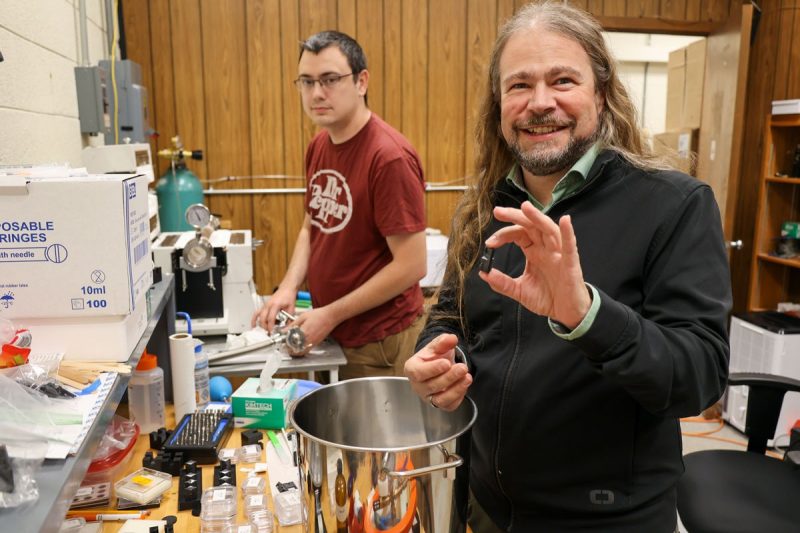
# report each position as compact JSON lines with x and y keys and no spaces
{"x":329,"y":81}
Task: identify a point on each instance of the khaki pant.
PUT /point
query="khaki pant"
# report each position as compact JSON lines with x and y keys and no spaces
{"x":382,"y":358}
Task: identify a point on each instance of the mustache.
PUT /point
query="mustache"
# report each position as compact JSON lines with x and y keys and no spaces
{"x":544,"y":120}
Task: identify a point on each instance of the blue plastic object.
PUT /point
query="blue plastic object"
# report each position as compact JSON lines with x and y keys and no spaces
{"x":188,"y":319}
{"x":90,"y":388}
{"x":304,"y":295}
{"x":304,"y":387}
{"x":221,"y":389}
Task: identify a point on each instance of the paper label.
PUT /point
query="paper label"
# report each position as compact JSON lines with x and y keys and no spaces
{"x":341,"y":513}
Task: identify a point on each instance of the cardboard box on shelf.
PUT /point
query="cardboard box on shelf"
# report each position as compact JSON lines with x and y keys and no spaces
{"x":679,"y":147}
{"x":99,"y":338}
{"x":790,"y":229}
{"x":685,"y":78}
{"x":73,"y":246}
{"x":786,"y":107}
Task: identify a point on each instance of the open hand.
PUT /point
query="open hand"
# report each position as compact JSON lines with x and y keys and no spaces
{"x":552,"y":283}
{"x":316,"y":324}
{"x":435,"y":376}
{"x":282,"y":299}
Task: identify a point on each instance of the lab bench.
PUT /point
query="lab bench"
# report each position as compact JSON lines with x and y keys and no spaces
{"x":169,"y":505}
{"x":327,"y":357}
{"x":58,"y":480}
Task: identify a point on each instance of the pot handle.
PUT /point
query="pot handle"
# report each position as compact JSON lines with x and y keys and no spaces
{"x":451,"y":460}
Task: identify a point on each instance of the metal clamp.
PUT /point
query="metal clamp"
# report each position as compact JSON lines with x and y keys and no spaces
{"x":294,"y":337}
{"x":285,"y":316}
{"x":452,"y":460}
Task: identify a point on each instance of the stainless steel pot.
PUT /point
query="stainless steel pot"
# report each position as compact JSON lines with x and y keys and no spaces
{"x":375,"y":457}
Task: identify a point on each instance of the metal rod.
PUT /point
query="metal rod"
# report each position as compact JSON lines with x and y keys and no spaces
{"x":84,"y":33}
{"x":109,"y":25}
{"x":298,"y":190}
{"x":212,"y":192}
{"x":438,"y":188}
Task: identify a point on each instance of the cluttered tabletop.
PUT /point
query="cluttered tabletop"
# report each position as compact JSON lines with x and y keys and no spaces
{"x":250,"y":449}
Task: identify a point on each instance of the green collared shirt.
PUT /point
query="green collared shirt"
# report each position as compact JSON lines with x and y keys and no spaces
{"x":566,"y":186}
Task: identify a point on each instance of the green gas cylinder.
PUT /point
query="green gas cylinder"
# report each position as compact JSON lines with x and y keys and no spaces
{"x":178,"y":188}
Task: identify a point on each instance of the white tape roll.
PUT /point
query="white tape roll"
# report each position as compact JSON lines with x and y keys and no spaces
{"x":181,"y":355}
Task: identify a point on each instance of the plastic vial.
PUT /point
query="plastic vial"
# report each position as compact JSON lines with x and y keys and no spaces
{"x":229,"y":454}
{"x":146,"y":394}
{"x":288,"y":508}
{"x":219,"y":503}
{"x":254,"y":485}
{"x":250,"y":453}
{"x":202,"y":392}
{"x":262,"y":520}
{"x":255,"y":502}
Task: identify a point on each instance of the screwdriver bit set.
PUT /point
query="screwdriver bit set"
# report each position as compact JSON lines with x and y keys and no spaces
{"x":200,"y":435}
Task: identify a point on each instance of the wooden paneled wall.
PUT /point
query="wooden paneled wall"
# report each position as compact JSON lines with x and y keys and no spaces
{"x":774,"y":74}
{"x":219,"y":74}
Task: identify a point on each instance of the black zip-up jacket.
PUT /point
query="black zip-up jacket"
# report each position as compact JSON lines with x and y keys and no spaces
{"x":584,"y":434}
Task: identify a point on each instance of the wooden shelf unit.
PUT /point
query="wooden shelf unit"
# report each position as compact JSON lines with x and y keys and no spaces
{"x":774,"y":279}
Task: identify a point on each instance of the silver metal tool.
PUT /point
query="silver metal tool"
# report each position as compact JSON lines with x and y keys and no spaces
{"x":295,"y":338}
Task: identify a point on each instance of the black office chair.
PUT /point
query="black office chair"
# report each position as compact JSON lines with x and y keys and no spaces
{"x":732,"y":491}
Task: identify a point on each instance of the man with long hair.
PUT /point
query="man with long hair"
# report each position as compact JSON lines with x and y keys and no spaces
{"x":362,"y":244}
{"x":585,"y":297}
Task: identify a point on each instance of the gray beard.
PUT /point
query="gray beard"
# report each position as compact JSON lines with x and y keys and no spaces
{"x":546,"y":164}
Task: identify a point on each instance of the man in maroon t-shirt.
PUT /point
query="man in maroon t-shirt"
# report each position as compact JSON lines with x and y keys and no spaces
{"x":362,"y":244}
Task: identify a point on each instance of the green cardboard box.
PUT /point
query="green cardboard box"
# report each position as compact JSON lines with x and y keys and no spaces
{"x":790,"y":230}
{"x":252,"y":409}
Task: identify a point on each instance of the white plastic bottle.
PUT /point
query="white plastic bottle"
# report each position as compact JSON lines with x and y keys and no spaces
{"x":202,"y":392}
{"x":146,"y":395}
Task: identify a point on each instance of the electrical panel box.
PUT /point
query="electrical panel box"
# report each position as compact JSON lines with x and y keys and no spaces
{"x":131,"y":102}
{"x":767,"y":343}
{"x":93,"y":109}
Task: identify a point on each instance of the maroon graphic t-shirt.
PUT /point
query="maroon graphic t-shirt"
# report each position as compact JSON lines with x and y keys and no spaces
{"x":358,"y":193}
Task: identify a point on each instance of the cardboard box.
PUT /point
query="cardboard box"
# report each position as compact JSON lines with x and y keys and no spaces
{"x":790,"y":230}
{"x":685,"y":78}
{"x":73,"y":246}
{"x":693,"y":86}
{"x":679,"y":147}
{"x":131,"y":158}
{"x":251,"y":409}
{"x":437,"y":260}
{"x":676,"y":79}
{"x":102,"y":338}
{"x":786,"y":107}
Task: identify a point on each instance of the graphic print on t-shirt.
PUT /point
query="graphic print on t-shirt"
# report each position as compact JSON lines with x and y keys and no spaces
{"x":331,"y":204}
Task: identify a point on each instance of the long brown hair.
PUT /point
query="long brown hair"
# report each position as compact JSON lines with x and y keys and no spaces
{"x":617,"y":130}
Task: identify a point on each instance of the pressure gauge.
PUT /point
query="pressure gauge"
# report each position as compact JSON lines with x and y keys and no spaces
{"x":198,"y":255}
{"x":198,"y":216}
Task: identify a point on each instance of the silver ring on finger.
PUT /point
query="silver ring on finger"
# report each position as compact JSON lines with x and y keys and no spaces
{"x":430,"y":400}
